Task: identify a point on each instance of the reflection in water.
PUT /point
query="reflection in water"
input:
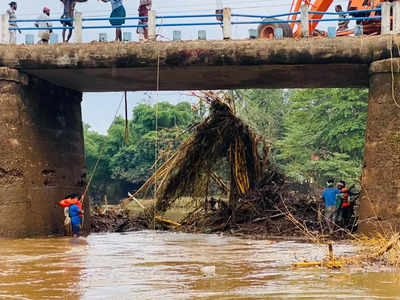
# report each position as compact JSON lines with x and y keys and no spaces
{"x":164,"y":265}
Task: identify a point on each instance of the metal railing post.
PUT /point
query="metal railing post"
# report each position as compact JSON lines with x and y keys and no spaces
{"x":227,"y":23}
{"x":4,"y":32}
{"x":305,"y":24}
{"x":78,"y":27}
{"x":396,"y":17}
{"x":152,"y":24}
{"x":385,"y":23}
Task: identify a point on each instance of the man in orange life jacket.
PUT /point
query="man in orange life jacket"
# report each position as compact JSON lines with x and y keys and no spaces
{"x":343,"y":205}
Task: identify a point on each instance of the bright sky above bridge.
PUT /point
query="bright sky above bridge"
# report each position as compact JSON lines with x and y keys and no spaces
{"x":98,"y":109}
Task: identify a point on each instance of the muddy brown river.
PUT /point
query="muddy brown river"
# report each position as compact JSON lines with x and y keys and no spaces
{"x":165,"y":265}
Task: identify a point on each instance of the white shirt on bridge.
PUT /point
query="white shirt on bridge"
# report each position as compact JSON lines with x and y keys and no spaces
{"x":43,"y":23}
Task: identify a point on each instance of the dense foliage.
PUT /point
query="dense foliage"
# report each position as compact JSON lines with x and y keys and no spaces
{"x":315,"y":134}
{"x":126,"y":164}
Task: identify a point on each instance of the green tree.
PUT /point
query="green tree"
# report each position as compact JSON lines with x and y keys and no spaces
{"x":134,"y":162}
{"x":263,"y":110}
{"x":95,"y":145}
{"x":125,"y":165}
{"x":324,"y":134}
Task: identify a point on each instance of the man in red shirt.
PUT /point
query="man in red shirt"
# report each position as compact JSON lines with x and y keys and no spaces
{"x":144,"y":7}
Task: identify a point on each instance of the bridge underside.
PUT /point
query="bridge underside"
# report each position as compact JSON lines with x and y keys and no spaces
{"x":193,"y":65}
{"x":208,"y":78}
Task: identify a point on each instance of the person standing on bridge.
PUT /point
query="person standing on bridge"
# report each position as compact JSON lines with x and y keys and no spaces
{"x":69,"y":7}
{"x":119,"y":13}
{"x":42,"y":22}
{"x":12,"y":17}
{"x":144,"y":8}
{"x":343,"y":24}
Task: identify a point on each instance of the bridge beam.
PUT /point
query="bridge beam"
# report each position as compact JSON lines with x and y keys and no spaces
{"x":41,"y":150}
{"x":380,"y":200}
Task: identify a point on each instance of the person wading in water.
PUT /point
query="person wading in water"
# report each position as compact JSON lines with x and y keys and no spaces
{"x":74,"y":213}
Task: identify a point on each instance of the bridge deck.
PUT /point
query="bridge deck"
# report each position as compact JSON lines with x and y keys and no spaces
{"x":186,"y":65}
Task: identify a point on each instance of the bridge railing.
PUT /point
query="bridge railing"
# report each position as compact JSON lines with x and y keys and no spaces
{"x":223,"y":19}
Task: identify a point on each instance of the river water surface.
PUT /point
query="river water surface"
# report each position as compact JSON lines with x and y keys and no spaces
{"x":165,"y":265}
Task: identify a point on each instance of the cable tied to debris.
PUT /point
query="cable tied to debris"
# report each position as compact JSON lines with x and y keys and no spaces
{"x":126,"y":134}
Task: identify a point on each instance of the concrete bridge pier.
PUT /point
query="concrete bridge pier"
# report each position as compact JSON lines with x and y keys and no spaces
{"x":42,"y":155}
{"x":380,"y":200}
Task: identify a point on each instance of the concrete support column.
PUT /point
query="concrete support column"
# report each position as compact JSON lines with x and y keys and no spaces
{"x":78,"y":31}
{"x":305,"y":24}
{"x":385,"y":23}
{"x":396,"y":17}
{"x":4,"y":32}
{"x":152,"y":25}
{"x":380,"y":199}
{"x":227,"y":23}
{"x":42,"y":156}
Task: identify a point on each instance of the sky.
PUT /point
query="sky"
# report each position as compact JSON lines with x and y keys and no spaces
{"x":99,"y":109}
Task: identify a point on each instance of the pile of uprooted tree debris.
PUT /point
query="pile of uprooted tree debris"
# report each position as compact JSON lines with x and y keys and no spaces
{"x":260,"y":199}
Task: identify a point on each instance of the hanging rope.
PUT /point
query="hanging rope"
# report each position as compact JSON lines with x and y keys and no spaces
{"x":156,"y":146}
{"x":126,"y":120}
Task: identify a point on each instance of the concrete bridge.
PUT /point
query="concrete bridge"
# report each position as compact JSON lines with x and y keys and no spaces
{"x":42,"y":156}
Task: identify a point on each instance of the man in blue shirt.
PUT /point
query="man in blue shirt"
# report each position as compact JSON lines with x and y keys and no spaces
{"x":75,"y":213}
{"x":329,"y":196}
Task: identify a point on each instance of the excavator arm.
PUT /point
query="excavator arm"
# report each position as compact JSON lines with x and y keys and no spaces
{"x":318,"y":5}
{"x":293,"y":29}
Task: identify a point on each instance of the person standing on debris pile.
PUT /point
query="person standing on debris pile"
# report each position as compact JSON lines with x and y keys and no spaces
{"x":343,"y":204}
{"x":144,"y":8}
{"x":44,"y":35}
{"x":329,"y":196}
{"x":119,"y":13}
{"x":12,"y":17}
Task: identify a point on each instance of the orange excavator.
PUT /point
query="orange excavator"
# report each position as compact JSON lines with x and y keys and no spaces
{"x":370,"y":27}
